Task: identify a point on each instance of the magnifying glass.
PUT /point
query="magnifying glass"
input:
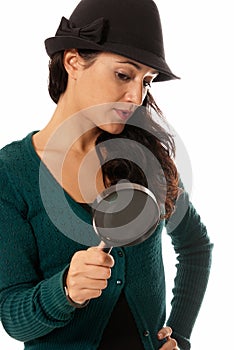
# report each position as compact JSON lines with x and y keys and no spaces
{"x":125,"y":214}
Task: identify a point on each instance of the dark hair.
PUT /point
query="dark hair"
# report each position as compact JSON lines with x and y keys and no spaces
{"x":157,"y":169}
{"x":141,"y":128}
{"x":58,"y":75}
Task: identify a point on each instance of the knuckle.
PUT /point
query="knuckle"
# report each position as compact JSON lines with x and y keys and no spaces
{"x":78,"y":255}
{"x":97,"y":293}
{"x":104,"y":284}
{"x":74,"y":295}
{"x":72,"y":284}
{"x":108,"y":273}
{"x":169,"y":330}
{"x":101,"y":258}
{"x":112,"y":261}
{"x":77,"y":260}
{"x":173,"y":342}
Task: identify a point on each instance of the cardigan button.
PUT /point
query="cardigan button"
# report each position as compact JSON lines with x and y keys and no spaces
{"x":119,"y":282}
{"x":120,"y":253}
{"x":146,"y":333}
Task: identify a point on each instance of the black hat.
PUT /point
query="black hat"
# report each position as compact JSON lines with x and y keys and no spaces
{"x":130,"y":28}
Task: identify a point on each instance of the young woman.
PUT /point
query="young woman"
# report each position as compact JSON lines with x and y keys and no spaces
{"x":61,"y":293}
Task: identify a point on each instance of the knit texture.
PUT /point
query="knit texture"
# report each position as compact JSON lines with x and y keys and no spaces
{"x":34,"y":255}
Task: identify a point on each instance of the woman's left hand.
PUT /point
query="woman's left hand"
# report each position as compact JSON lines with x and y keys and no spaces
{"x":171,"y":344}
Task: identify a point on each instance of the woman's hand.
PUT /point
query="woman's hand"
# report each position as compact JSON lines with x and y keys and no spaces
{"x":171,"y":344}
{"x":88,"y":274}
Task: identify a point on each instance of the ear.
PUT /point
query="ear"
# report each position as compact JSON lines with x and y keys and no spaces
{"x":72,"y":62}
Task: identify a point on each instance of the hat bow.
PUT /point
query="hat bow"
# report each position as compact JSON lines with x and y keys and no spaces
{"x":92,"y":32}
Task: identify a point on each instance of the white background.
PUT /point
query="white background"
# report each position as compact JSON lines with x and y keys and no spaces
{"x":198,"y":39}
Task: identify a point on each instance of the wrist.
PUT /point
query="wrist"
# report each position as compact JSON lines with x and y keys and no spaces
{"x":69,"y":299}
{"x":72,"y":302}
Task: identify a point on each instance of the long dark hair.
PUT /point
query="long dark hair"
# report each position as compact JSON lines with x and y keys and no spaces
{"x":157,"y":168}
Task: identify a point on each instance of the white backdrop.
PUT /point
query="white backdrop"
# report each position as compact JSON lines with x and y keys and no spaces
{"x":198,"y":39}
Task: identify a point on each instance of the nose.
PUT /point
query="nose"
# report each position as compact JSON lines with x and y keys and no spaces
{"x":135,"y":93}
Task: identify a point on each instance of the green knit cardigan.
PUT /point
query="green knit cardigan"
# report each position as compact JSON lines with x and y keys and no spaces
{"x":35,"y":253}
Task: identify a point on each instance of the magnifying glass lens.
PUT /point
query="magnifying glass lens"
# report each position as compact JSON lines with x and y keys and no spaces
{"x":126,"y":216}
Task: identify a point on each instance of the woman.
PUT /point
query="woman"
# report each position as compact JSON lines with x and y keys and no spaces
{"x":57,"y":293}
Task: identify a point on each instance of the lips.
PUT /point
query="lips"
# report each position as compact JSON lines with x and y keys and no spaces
{"x":123,"y":114}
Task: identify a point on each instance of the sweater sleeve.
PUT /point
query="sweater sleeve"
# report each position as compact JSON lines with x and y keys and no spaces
{"x":192,"y":244}
{"x":30,"y":306}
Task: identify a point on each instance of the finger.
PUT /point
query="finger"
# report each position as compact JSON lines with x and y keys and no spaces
{"x":94,"y":272}
{"x":90,"y":283}
{"x":86,"y":284}
{"x":171,"y":344}
{"x":99,"y":257}
{"x":164,"y":332}
{"x":91,"y":256}
{"x":103,"y":273}
{"x":90,"y":289}
{"x":75,"y":285}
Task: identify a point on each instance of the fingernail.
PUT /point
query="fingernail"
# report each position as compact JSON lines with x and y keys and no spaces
{"x":160,"y":335}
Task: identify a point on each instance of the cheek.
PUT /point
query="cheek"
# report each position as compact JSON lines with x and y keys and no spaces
{"x":104,"y":86}
{"x":98,"y":86}
{"x":95,"y":91}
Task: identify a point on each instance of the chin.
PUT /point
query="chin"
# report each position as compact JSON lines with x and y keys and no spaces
{"x":113,"y":128}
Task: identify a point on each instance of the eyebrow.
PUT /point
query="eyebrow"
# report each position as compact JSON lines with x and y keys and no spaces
{"x":134,"y":64}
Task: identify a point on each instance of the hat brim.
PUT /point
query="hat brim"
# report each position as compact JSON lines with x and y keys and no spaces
{"x":60,"y":43}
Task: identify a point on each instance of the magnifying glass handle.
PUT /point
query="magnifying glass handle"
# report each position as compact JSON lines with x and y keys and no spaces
{"x":104,"y":247}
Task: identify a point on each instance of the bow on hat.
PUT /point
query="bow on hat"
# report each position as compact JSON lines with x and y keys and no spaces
{"x":92,"y":32}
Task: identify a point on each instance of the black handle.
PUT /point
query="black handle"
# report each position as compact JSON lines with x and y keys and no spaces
{"x":107,"y":249}
{"x":104,"y":247}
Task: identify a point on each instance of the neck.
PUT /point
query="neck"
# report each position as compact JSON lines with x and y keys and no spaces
{"x":67,"y":129}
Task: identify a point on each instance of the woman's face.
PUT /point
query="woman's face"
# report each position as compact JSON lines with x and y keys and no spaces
{"x":116,"y":83}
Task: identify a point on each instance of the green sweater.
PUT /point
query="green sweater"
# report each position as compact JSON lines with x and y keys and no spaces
{"x":34,"y":255}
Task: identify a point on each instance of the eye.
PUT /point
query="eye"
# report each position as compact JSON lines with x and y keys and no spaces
{"x":122,"y":76}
